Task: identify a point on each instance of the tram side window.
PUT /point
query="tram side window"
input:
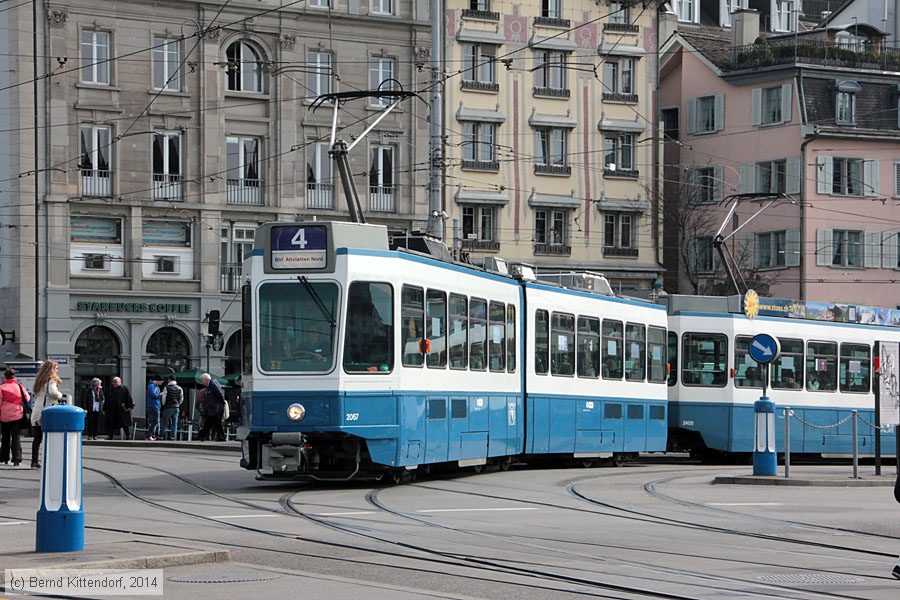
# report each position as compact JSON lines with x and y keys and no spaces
{"x":588,"y":347}
{"x":435,"y":326}
{"x":562,"y":345}
{"x":369,"y":335}
{"x":612,"y":349}
{"x":656,"y":354}
{"x":497,"y":340}
{"x":458,"y":333}
{"x":787,"y":371}
{"x":511,"y":338}
{"x":673,"y":357}
{"x":635,"y":350}
{"x":477,"y":334}
{"x":747,"y":372}
{"x":635,"y":411}
{"x":855,"y":364}
{"x":821,"y":366}
{"x":704,"y":359}
{"x":412,"y":309}
{"x":541,"y":342}
{"x":612,"y":411}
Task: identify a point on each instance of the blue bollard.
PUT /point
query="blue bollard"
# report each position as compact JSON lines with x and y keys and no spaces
{"x":765,"y":461}
{"x":60,"y":519}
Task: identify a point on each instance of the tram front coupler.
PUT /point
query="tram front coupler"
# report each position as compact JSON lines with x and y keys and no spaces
{"x":287,"y":452}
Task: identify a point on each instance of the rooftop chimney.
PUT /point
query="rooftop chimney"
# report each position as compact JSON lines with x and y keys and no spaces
{"x":668,"y":23}
{"x":744,"y":27}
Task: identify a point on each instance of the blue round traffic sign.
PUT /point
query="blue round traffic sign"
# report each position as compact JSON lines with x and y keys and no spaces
{"x":764,"y":348}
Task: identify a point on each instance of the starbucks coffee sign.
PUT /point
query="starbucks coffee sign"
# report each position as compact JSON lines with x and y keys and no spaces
{"x":153,"y":307}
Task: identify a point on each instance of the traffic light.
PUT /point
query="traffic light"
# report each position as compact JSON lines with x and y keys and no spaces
{"x":214,"y":317}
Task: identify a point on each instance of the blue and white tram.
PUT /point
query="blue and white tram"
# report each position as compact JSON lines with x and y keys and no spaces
{"x":825,"y":370}
{"x":596,"y":386}
{"x":365,"y":362}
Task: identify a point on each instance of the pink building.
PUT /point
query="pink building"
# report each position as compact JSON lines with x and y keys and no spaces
{"x":807,"y":121}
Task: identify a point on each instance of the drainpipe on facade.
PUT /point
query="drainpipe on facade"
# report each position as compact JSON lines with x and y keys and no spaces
{"x":804,"y":185}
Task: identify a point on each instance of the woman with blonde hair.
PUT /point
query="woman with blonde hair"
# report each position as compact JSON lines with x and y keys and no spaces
{"x":46,"y":393}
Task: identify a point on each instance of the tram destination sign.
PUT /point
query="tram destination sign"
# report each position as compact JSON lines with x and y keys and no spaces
{"x":299,"y":247}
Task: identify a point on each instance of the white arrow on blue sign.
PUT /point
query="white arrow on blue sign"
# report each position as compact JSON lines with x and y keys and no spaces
{"x":764,"y":348}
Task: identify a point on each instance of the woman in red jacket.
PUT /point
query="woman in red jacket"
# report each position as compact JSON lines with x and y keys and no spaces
{"x":12,"y":395}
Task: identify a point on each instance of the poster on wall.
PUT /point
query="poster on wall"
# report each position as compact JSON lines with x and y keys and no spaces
{"x":889,"y":383}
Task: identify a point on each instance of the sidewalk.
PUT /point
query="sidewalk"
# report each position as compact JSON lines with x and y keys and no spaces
{"x":815,"y":476}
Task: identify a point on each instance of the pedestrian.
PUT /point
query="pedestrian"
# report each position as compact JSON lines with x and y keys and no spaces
{"x":896,"y":570}
{"x":92,"y":401}
{"x":118,"y":408}
{"x":215,"y":407}
{"x":200,"y":410}
{"x":154,"y":404}
{"x":13,"y":400}
{"x":46,"y":393}
{"x":172,"y":396}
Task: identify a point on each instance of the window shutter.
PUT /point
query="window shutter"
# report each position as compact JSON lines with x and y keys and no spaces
{"x":693,"y":256}
{"x":719,"y":173}
{"x":871,"y":185}
{"x":691,"y":115}
{"x":889,"y":249}
{"x":823,"y":247}
{"x":756,"y":107}
{"x":720,"y":112}
{"x":897,"y":178}
{"x":690,"y":191}
{"x":748,"y":179}
{"x":873,"y":250}
{"x":786,"y":103}
{"x":793,"y":175}
{"x":792,"y":247}
{"x":539,"y":157}
{"x":823,"y":174}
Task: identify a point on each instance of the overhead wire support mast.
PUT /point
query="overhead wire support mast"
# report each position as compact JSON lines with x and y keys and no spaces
{"x":340,"y":149}
{"x":731,"y":264}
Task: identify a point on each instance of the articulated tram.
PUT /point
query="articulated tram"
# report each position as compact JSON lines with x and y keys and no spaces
{"x":368,"y":362}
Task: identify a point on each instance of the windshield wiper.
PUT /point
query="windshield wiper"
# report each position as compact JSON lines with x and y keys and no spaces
{"x":317,"y":299}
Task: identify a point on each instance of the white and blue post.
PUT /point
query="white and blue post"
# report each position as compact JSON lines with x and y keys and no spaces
{"x":765,"y":461}
{"x":60,"y":519}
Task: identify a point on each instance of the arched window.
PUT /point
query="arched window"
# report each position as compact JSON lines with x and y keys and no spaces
{"x":97,"y":352}
{"x":245,"y":63}
{"x":168,"y":351}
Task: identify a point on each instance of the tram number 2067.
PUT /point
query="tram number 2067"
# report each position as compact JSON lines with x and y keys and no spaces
{"x":351,"y":417}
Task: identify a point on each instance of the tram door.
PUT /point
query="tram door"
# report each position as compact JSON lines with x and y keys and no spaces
{"x":437,"y":431}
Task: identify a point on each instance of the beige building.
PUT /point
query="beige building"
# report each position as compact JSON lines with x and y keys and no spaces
{"x":167,"y":132}
{"x":550,"y":133}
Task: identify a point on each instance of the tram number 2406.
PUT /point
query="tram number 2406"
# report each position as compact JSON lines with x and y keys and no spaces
{"x":351,"y":417}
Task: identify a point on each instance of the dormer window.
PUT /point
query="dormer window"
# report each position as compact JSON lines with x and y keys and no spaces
{"x":785,"y":15}
{"x":845,"y":102}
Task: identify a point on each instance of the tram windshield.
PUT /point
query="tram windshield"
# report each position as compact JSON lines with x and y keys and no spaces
{"x":296,"y":332}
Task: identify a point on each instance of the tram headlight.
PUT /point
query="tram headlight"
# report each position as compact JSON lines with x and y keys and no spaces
{"x":296,"y":412}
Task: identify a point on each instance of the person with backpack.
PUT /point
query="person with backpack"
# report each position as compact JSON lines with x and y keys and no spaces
{"x":172,"y":397}
{"x":46,"y":393}
{"x":13,"y":401}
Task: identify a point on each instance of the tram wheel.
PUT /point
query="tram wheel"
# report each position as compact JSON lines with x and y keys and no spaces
{"x":477,"y":469}
{"x":505,"y":463}
{"x":587,"y":463}
{"x":618,"y":459}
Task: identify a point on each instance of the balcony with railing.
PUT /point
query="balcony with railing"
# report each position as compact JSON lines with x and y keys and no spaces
{"x":230,"y":278}
{"x":619,"y":97}
{"x":382,"y":198}
{"x":167,"y":186}
{"x":96,"y":183}
{"x":481,"y":165}
{"x":484,"y":15}
{"x":480,"y":86}
{"x":553,"y":249}
{"x":619,"y":251}
{"x":620,"y":27}
{"x":545,"y":169}
{"x":787,"y":51}
{"x":550,"y":92}
{"x":320,"y":195}
{"x":623,"y":173}
{"x":482,"y":245}
{"x":552,"y":22}
{"x":245,"y":191}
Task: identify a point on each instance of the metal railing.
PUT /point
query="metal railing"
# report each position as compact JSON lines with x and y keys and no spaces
{"x":828,"y":54}
{"x":612,"y":26}
{"x":552,"y":22}
{"x":96,"y":183}
{"x":383,"y":198}
{"x":230,"y":278}
{"x":481,"y":165}
{"x":619,"y":251}
{"x":481,"y":86}
{"x":618,"y":97}
{"x":319,"y":195}
{"x":166,"y":186}
{"x":475,"y":13}
{"x":480,"y":245}
{"x":552,"y":92}
{"x":245,"y":191}
{"x":545,"y":169}
{"x":555,"y":249}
